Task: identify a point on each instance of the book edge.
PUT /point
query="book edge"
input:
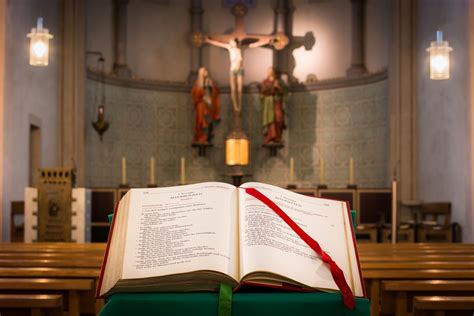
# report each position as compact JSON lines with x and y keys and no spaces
{"x":348,"y":209}
{"x":106,"y":254}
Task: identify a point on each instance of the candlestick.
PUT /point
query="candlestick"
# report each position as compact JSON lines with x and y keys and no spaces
{"x":321,"y":171}
{"x":124,"y":170}
{"x":152,"y":170}
{"x":292,"y":169}
{"x":351,"y":171}
{"x":394,"y":211}
{"x":183,"y":172}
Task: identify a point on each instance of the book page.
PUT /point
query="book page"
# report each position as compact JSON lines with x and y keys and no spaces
{"x":182,"y":229}
{"x":268,"y":244}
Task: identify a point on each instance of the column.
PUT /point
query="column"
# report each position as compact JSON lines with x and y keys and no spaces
{"x":470,"y":216}
{"x":120,"y":67}
{"x":196,"y":27}
{"x":72,"y":106}
{"x":4,"y":220}
{"x":357,"y":67}
{"x":402,"y":96}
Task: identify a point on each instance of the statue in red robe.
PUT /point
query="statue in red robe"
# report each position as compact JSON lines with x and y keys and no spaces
{"x":206,"y":107}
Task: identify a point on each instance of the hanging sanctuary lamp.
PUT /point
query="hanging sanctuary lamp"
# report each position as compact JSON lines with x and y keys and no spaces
{"x":101,"y":125}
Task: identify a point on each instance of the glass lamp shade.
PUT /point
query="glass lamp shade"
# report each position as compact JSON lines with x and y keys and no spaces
{"x":39,"y":45}
{"x":237,"y":151}
{"x":439,"y":58}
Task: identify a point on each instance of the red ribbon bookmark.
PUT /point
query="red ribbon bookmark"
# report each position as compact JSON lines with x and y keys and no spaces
{"x":336,"y":272}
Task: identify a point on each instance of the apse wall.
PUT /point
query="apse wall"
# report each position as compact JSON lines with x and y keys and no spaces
{"x":158,"y":37}
{"x":330,"y":123}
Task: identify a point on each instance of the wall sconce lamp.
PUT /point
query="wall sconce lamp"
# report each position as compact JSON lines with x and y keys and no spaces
{"x":439,"y":58}
{"x":39,"y":44}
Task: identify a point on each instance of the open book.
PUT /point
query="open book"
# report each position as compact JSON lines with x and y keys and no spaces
{"x":194,"y":237}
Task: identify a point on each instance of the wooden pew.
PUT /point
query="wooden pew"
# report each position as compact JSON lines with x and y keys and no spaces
{"x":412,"y":258}
{"x":39,"y":304}
{"x":52,"y":248}
{"x":403,"y":290}
{"x":72,"y":287}
{"x":412,"y":262}
{"x":415,"y":265}
{"x":423,"y":304}
{"x":380,"y":262}
{"x":21,"y":272}
{"x":51,"y":255}
{"x":56,"y":245}
{"x":375,"y":276}
{"x":58,"y":263}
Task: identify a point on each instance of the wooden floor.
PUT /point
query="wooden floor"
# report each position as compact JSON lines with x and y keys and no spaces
{"x":399,"y":279}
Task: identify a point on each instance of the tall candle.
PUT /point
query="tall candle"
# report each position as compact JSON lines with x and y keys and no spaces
{"x":183,"y":172}
{"x":394,"y":211}
{"x":152,"y":170}
{"x":292,"y":169}
{"x":124,"y":170}
{"x":321,"y":171}
{"x":351,"y":170}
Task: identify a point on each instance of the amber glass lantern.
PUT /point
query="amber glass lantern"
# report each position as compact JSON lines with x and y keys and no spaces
{"x":236,"y":151}
{"x":39,"y":44}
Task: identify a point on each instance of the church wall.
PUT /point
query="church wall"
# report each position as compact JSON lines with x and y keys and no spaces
{"x":159,"y":49}
{"x":333,"y":124}
{"x":31,"y":97}
{"x":444,"y":159}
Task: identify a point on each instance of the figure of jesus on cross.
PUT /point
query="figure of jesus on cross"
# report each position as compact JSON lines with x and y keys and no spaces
{"x":235,"y":43}
{"x":236,"y":73}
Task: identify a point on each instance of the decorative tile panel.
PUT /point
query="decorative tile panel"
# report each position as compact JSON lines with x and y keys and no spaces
{"x":332,"y":124}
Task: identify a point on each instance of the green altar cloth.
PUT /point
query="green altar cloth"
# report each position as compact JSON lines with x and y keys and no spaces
{"x":249,"y":304}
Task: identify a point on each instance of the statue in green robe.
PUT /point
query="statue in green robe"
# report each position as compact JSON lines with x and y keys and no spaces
{"x":273,"y":94}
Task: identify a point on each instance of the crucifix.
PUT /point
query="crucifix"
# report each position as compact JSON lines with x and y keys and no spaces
{"x":235,"y":43}
{"x":237,"y":144}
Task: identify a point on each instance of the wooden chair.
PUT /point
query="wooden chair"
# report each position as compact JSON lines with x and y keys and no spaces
{"x":367,"y":233}
{"x":16,"y":231}
{"x":374,"y":207}
{"x":405,"y":233}
{"x":103,"y":201}
{"x":348,"y":195}
{"x":435,"y":223}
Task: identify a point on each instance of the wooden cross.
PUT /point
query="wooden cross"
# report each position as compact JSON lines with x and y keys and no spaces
{"x":278,"y":40}
{"x":235,"y":43}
